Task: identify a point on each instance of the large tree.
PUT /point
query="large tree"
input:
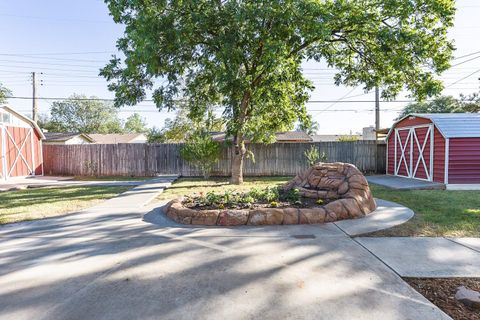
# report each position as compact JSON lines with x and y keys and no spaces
{"x":82,"y":114}
{"x":246,"y":56}
{"x":136,"y":124}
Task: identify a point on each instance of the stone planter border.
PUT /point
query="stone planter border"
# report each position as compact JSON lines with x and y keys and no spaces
{"x":340,"y":182}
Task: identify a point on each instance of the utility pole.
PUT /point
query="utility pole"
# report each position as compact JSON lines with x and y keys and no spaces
{"x":34,"y":99}
{"x":377,"y":112}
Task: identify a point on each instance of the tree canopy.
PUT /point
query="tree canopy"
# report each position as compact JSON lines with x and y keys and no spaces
{"x":4,"y":93}
{"x":82,"y":114}
{"x":444,"y":104}
{"x":135,"y":124}
{"x":246,"y":56}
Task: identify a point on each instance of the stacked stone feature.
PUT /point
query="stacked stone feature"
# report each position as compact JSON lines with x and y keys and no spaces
{"x":342,"y":185}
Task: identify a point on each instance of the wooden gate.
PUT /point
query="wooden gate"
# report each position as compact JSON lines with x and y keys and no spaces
{"x":414,"y":152}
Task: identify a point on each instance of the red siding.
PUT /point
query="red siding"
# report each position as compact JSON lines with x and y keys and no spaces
{"x":438,"y":157}
{"x":391,"y":154}
{"x":464,"y":160}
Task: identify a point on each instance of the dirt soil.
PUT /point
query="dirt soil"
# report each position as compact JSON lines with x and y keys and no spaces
{"x":306,"y":203}
{"x":441,"y":292}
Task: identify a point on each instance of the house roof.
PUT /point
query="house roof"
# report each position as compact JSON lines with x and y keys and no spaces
{"x":65,"y":136}
{"x":332,"y":137}
{"x":293,"y":136}
{"x":113,"y":138}
{"x":24,"y":118}
{"x":280,"y":136}
{"x":451,"y":125}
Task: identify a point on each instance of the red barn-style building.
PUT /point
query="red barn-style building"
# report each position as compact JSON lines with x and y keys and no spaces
{"x":440,"y":147}
{"x":20,"y":145}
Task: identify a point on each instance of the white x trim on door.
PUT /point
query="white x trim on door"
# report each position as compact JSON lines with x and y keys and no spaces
{"x":408,"y":147}
{"x":19,"y":152}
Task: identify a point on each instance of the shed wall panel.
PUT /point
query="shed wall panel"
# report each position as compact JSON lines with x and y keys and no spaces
{"x":438,"y":157}
{"x":464,"y":161}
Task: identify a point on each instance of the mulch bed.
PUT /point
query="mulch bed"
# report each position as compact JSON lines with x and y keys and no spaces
{"x":441,"y":292}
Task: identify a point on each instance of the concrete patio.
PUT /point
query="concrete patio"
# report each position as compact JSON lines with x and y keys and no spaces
{"x":108,"y":263}
{"x":401,"y":183}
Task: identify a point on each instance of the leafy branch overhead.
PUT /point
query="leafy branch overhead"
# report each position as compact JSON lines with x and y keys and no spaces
{"x":246,"y":56}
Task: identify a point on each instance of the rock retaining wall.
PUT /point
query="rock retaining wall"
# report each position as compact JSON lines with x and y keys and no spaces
{"x":340,"y":183}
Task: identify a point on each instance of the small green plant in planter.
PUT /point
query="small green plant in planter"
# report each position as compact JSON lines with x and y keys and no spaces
{"x":319,"y":201}
{"x":274,"y":204}
{"x":313,"y":156}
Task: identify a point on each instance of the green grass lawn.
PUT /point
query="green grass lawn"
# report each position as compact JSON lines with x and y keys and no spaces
{"x":188,"y":186}
{"x":437,"y":212}
{"x":31,"y":204}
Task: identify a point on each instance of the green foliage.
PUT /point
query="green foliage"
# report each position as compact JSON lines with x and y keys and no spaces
{"x":313,"y":156}
{"x":234,"y":199}
{"x":182,"y":126}
{"x":78,"y":114}
{"x":348,"y":138}
{"x":444,"y":104}
{"x":135,"y":124}
{"x":246,"y":56}
{"x":4,"y":93}
{"x":201,"y":151}
{"x":308,"y":126}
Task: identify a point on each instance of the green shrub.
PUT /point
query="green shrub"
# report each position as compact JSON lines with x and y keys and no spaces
{"x":313,"y":156}
{"x":201,"y":152}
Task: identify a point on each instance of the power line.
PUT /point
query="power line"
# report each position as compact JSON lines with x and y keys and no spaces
{"x":467,"y":76}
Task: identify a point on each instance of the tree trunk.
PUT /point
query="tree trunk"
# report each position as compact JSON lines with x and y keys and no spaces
{"x":239,"y":149}
{"x":237,"y":161}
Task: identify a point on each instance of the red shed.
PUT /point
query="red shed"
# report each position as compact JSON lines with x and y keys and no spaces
{"x":20,"y":145}
{"x":439,"y":147}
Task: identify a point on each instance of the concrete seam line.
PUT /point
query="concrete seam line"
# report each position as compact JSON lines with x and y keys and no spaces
{"x":461,"y":244}
{"x":373,"y":254}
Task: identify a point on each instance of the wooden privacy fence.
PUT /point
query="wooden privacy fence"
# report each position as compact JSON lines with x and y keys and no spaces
{"x":278,"y":159}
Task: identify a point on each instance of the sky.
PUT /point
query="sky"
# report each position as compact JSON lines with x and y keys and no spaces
{"x":65,"y":42}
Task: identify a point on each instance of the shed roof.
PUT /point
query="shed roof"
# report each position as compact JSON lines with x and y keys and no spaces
{"x":24,"y":118}
{"x":452,"y":125}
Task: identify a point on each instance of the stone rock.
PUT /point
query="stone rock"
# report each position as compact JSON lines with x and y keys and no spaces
{"x":468,"y":297}
{"x":290,"y":216}
{"x":338,"y":208}
{"x":233,"y":217}
{"x":266,"y":216}
{"x":205,"y":217}
{"x":311,"y":215}
{"x":184,"y":215}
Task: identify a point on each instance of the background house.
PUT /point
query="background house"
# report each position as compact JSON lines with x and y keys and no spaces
{"x":114,"y":138}
{"x":67,"y":138}
{"x":281,"y":137}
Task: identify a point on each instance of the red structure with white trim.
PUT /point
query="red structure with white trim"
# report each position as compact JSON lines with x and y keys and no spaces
{"x":442,"y":148}
{"x":20,"y":145}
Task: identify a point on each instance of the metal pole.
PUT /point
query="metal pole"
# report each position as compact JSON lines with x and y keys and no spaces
{"x":34,"y":99}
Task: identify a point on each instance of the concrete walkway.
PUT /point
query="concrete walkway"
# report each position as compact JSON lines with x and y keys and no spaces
{"x":108,"y":263}
{"x":17,"y":183}
{"x":401,"y":183}
{"x":427,"y":257}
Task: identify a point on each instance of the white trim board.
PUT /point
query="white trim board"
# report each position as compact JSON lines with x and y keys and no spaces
{"x":465,"y":187}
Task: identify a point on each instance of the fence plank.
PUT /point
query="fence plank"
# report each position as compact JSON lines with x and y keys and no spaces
{"x":280,"y":159}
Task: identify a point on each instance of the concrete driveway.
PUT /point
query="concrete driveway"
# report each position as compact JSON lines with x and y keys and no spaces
{"x":109,"y":263}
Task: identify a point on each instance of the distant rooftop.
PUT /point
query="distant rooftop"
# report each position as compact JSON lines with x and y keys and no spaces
{"x":113,"y":138}
{"x":64,"y":136}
